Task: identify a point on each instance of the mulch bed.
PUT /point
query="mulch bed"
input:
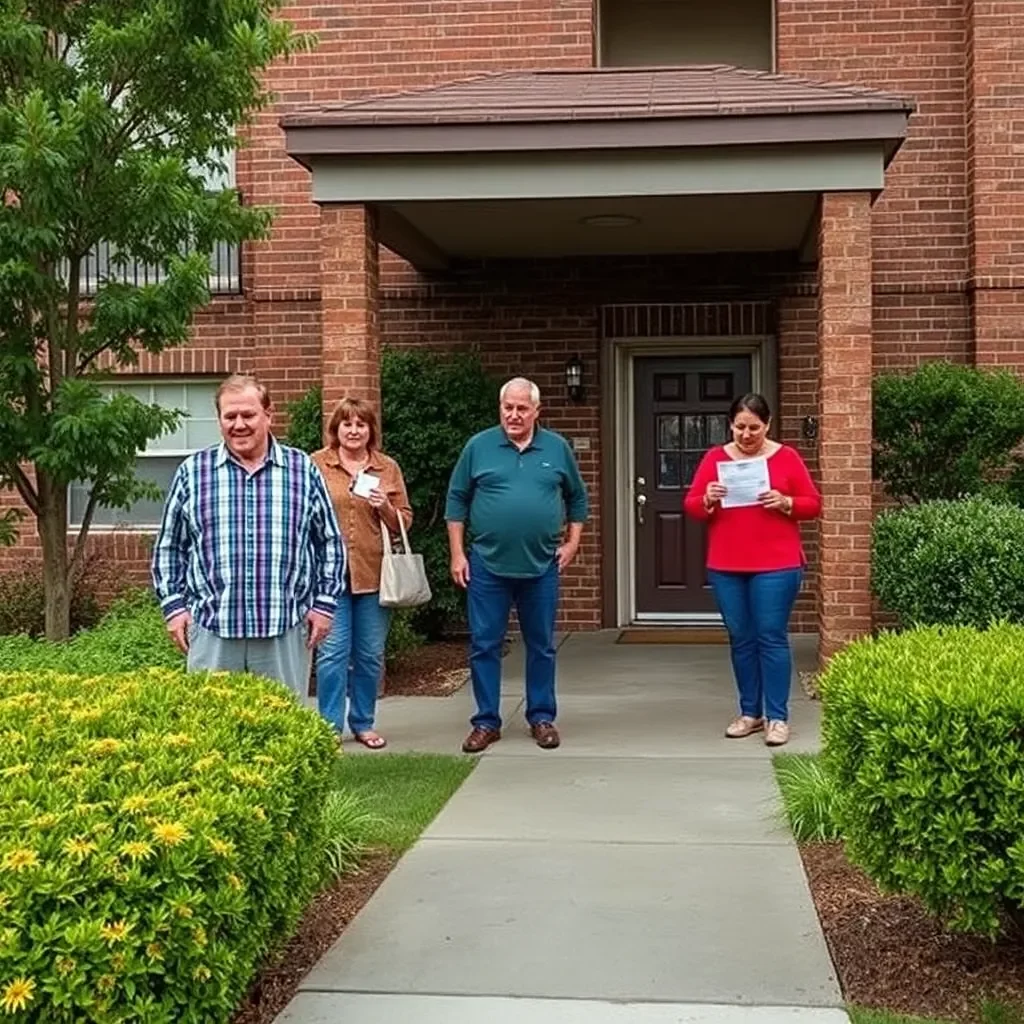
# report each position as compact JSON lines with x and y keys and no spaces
{"x":436,"y":669}
{"x":891,"y":955}
{"x":327,"y":917}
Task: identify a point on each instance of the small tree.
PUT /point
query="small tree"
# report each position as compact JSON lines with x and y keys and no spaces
{"x":947,"y":431}
{"x":111,"y":114}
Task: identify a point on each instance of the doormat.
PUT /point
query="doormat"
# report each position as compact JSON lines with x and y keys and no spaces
{"x":680,"y":635}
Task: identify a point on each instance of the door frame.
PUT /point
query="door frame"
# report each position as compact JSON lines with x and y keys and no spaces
{"x":618,"y":446}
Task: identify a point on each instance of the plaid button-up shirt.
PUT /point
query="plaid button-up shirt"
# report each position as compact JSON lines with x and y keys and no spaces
{"x":248,"y":554}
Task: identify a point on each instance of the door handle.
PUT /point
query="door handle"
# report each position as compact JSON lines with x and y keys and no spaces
{"x":641,"y":500}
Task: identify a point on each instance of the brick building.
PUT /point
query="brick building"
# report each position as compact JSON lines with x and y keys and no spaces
{"x":678,"y":198}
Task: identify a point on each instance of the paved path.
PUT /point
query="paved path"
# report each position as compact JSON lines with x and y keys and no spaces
{"x":640,"y":873}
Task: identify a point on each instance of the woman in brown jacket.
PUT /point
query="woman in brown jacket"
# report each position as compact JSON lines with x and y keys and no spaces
{"x":368,"y":494}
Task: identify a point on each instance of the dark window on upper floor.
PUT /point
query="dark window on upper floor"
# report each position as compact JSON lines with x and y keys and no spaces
{"x":645,"y":33}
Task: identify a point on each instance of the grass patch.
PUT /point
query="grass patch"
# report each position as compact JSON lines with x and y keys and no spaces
{"x":809,"y":798}
{"x":990,"y":1012}
{"x":400,"y":793}
{"x":862,"y":1016}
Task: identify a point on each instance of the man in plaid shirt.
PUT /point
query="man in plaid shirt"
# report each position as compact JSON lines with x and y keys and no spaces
{"x":249,"y":561}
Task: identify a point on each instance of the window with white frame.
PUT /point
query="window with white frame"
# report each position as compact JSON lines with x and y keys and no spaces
{"x":197,"y":429}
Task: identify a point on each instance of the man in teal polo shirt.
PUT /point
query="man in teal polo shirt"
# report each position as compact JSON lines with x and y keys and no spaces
{"x":514,"y":486}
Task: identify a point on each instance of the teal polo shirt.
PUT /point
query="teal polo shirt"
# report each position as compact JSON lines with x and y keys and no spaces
{"x":516,"y":503}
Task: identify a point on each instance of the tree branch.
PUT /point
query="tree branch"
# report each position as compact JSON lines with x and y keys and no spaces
{"x":70,"y":346}
{"x":84,"y":361}
{"x":24,"y":486}
{"x":83,"y":533}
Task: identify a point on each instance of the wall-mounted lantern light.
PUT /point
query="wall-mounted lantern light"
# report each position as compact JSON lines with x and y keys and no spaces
{"x":574,"y":378}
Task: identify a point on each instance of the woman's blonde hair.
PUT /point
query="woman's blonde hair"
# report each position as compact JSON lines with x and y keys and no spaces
{"x":353,"y":409}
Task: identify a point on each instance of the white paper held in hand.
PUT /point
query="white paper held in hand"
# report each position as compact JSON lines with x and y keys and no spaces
{"x":744,"y":480}
{"x":363,"y":484}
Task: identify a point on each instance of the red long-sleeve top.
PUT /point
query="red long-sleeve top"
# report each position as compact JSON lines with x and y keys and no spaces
{"x":756,"y":539}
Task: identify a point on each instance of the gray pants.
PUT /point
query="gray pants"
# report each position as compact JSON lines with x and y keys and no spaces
{"x":284,"y":658}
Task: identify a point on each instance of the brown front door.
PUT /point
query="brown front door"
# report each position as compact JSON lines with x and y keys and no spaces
{"x":681,"y":411}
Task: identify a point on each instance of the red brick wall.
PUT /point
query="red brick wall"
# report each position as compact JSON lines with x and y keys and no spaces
{"x":995,"y":169}
{"x":913,"y":48}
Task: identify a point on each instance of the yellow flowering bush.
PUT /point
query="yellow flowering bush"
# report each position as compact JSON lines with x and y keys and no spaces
{"x":159,"y":833}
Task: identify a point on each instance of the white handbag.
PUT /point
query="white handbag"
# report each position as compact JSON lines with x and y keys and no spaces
{"x":403,"y":576}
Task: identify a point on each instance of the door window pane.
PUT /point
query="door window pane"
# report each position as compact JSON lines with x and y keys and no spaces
{"x":669,"y":478}
{"x":718,"y":430}
{"x":668,"y":433}
{"x":694,"y":432}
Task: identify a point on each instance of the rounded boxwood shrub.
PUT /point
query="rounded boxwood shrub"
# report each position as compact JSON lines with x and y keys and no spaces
{"x":159,"y":833}
{"x":950,"y":562}
{"x":924,"y":740}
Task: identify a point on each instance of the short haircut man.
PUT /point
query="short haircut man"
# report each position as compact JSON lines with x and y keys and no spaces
{"x":514,"y":489}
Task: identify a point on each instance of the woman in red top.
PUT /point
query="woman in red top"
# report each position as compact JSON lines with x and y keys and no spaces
{"x":756,"y":564}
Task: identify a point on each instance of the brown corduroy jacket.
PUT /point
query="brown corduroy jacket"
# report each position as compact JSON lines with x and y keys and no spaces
{"x":361,"y":523}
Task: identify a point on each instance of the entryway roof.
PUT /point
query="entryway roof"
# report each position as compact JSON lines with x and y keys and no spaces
{"x":544,"y":163}
{"x":679,"y":106}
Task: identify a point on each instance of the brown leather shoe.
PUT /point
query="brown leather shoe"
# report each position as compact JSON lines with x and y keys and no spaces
{"x":546,"y":735}
{"x":480,"y":739}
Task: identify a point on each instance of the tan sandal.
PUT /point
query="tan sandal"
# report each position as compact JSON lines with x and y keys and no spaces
{"x":745,"y":725}
{"x":777,"y":734}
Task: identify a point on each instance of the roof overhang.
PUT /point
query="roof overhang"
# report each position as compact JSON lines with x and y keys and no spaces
{"x":308,"y":137}
{"x":590,"y":138}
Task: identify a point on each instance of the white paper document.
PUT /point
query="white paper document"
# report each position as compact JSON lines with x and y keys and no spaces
{"x":744,"y":480}
{"x":363,"y":484}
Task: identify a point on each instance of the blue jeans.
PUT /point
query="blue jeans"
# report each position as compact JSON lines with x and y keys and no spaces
{"x":756,"y":608}
{"x":490,"y":600}
{"x":350,"y":661}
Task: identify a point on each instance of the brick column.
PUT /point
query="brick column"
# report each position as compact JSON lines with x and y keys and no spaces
{"x":844,"y":409}
{"x":349,"y":303}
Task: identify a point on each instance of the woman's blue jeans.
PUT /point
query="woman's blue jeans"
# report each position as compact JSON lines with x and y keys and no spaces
{"x":756,"y":607}
{"x":350,"y":661}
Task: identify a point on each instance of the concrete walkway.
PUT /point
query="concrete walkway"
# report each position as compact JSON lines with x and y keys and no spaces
{"x":640,"y":873}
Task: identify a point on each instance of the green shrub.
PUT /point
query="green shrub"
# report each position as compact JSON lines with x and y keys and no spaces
{"x":159,"y":833}
{"x":22,"y":602}
{"x":402,"y":637}
{"x":433,"y":404}
{"x":809,"y":797}
{"x":924,"y":739}
{"x":946,"y":431}
{"x":305,"y":421}
{"x":131,"y":635}
{"x":952,"y":562}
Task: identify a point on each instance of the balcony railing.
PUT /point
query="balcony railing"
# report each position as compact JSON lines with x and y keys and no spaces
{"x":100,"y":265}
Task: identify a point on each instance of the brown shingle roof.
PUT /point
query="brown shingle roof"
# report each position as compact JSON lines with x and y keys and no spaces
{"x":715,"y":90}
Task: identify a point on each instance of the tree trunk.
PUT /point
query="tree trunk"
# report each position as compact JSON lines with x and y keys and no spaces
{"x":52,"y":524}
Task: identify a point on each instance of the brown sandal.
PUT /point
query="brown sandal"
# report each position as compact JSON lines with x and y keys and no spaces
{"x":370,"y":740}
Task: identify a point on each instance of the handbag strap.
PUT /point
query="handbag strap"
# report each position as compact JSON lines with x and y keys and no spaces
{"x":386,"y":534}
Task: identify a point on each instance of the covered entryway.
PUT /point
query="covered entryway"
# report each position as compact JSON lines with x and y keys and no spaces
{"x":605,"y":163}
